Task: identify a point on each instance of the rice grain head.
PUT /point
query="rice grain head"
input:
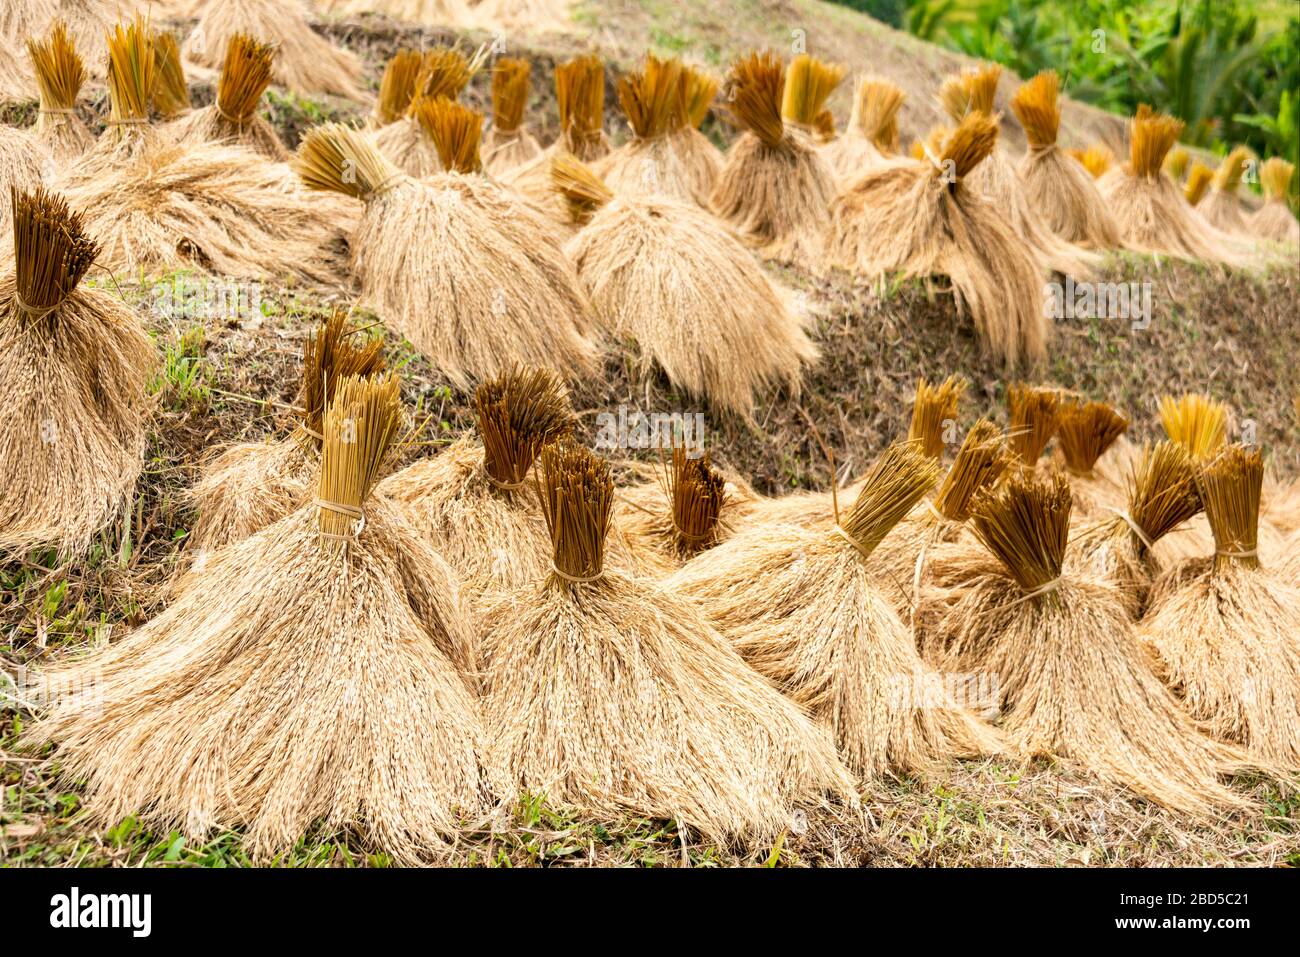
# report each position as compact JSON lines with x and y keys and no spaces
{"x":613,"y":696}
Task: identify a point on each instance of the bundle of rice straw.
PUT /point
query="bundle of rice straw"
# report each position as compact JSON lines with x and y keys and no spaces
{"x":703,"y":160}
{"x":580,"y":100}
{"x":471,"y":501}
{"x":250,"y":485}
{"x":1057,"y":187}
{"x":774,"y":188}
{"x":158,"y":206}
{"x":1176,"y":163}
{"x":397,"y":86}
{"x":872,"y":134}
{"x":1199,"y":424}
{"x":233,"y":116}
{"x":1152,"y":215}
{"x":1227,"y":630}
{"x":1073,"y":678}
{"x":614,"y":696}
{"x":306,"y":62}
{"x":803,"y":607}
{"x":699,"y":305}
{"x":1199,"y":179}
{"x":405,"y":143}
{"x":507,"y":143}
{"x":922,"y":219}
{"x":934,"y":412}
{"x":313,"y":673}
{"x":74,"y":363}
{"x":996,"y":177}
{"x":487,"y":286}
{"x":1274,"y":220}
{"x":1222,"y":209}
{"x":59,"y":76}
{"x":689,"y":507}
{"x":171,"y":94}
{"x":1033,"y":418}
{"x":1121,"y":548}
{"x":1096,"y":159}
{"x":18,"y":22}
{"x":1085,"y":431}
{"x":650,"y":164}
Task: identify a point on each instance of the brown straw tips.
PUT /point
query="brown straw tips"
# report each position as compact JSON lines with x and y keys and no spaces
{"x":335,"y":158}
{"x":753,"y":90}
{"x":897,"y":480}
{"x":809,"y":82}
{"x":582,"y":190}
{"x":934,"y":410}
{"x":1199,"y":179}
{"x":456,"y":132}
{"x":1196,"y":422}
{"x":519,"y":412}
{"x":1032,"y":414}
{"x":1035,"y":105}
{"x":980,"y":463}
{"x":697,"y":493}
{"x":245,"y":75}
{"x":652,"y":98}
{"x":171,"y":94}
{"x":1085,"y":430}
{"x":51,"y":250}
{"x":334,"y":351}
{"x":509,"y":93}
{"x":360,"y":427}
{"x":1025,"y":523}
{"x":1229,"y":485}
{"x":580,"y":99}
{"x":576,"y":493}
{"x":398,"y":85}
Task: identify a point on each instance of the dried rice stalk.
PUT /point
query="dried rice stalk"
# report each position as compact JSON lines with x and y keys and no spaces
{"x":306,"y":62}
{"x":922,"y":219}
{"x":245,"y":75}
{"x":74,"y":364}
{"x":646,"y":709}
{"x":397,"y":86}
{"x":1222,"y":209}
{"x":1274,"y":220}
{"x":1085,"y":430}
{"x":809,"y":83}
{"x":1062,"y":192}
{"x":171,"y":94}
{"x":697,"y":303}
{"x":1073,"y":679}
{"x":872,"y":133}
{"x":507,"y":144}
{"x":1096,"y":159}
{"x":803,"y":607}
{"x":1175,"y":164}
{"x":1228,"y":631}
{"x":774,"y":189}
{"x":933,"y":409}
{"x":487,"y":286}
{"x":59,"y":77}
{"x":406,"y":144}
{"x":1198,"y":182}
{"x":1152,"y":215}
{"x":295,"y":680}
{"x":1196,"y":422}
{"x":1033,"y":420}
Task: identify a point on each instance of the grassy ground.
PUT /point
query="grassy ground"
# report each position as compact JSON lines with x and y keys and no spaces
{"x":225,"y":379}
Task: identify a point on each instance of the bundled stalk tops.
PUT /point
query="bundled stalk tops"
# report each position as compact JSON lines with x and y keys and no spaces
{"x":872,"y":134}
{"x":1274,"y":220}
{"x":245,"y":74}
{"x":508,"y":143}
{"x":60,"y":74}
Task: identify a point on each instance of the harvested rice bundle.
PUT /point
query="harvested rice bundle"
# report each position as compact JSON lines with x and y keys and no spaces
{"x":922,"y":219}
{"x":132,"y":72}
{"x":614,"y":696}
{"x":1097,"y":159}
{"x":1057,"y":187}
{"x":306,"y":62}
{"x":803,"y":607}
{"x":487,"y":286}
{"x":809,"y":84}
{"x":1198,"y":183}
{"x":507,"y":143}
{"x":171,"y":94}
{"x":1152,"y":216}
{"x":1274,"y":220}
{"x":934,"y":411}
{"x":1074,"y":680}
{"x":59,"y":76}
{"x":250,"y":485}
{"x":689,"y":507}
{"x":703,"y":160}
{"x":872,"y":133}
{"x":20,"y":21}
{"x":405,"y":143}
{"x":580,"y":100}
{"x":233,"y":116}
{"x":774,"y":188}
{"x":1121,"y":548}
{"x":314,"y":672}
{"x":1033,"y":418}
{"x":1222,"y":209}
{"x":649,"y":164}
{"x":397,"y":86}
{"x":698,"y":304}
{"x":1228,"y":630}
{"x":1199,"y":424}
{"x":1175,"y":164}
{"x":471,"y":501}
{"x":74,"y":364}
{"x":1084,"y":433}
{"x":996,"y":177}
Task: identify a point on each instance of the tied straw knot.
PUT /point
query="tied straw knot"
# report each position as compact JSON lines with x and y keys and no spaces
{"x":577,"y":579}
{"x":1147,"y":542}
{"x":386,"y":186}
{"x":239,"y":123}
{"x":861,"y":550}
{"x":35,"y":312}
{"x":342,"y":508}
